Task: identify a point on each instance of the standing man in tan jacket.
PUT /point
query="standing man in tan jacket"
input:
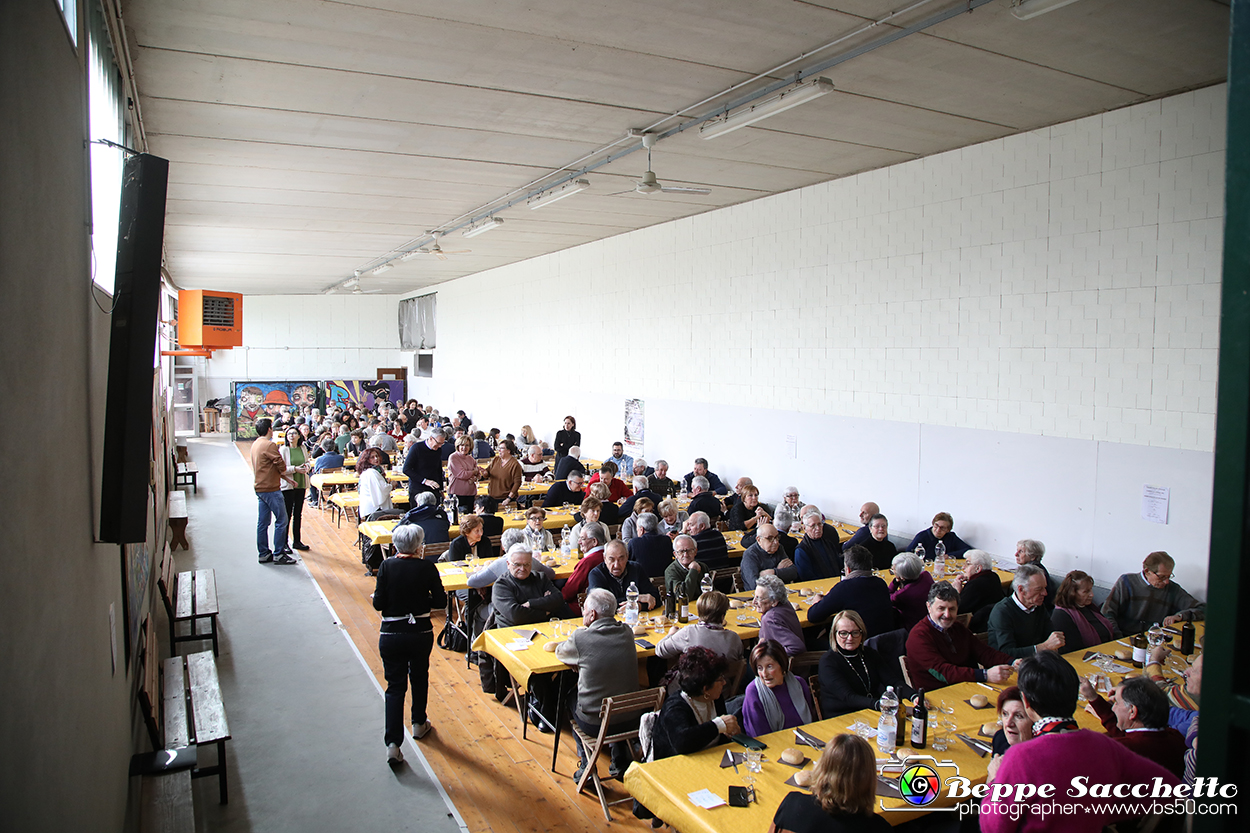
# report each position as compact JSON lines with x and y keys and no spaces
{"x":267,"y":467}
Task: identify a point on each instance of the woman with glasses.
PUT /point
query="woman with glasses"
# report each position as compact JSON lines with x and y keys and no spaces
{"x":852,"y":674}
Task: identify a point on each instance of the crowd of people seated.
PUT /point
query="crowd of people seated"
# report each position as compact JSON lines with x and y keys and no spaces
{"x":965,"y":629}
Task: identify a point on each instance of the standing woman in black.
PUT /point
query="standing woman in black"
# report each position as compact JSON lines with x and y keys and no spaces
{"x":567,"y":437}
{"x":408,"y":588}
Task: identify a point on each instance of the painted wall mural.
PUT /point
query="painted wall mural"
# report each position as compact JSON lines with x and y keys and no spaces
{"x":253,"y":400}
{"x":365,"y":393}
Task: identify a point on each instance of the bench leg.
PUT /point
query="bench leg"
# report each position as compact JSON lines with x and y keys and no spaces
{"x":213,"y":625}
{"x":221,"y":773}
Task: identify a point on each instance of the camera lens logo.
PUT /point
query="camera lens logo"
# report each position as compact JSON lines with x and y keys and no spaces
{"x":919,"y":785}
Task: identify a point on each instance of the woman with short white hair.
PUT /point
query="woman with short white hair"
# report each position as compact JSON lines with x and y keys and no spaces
{"x":909,"y":592}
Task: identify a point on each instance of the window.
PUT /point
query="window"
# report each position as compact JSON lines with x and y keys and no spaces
{"x":69,"y":11}
{"x":106,"y":120}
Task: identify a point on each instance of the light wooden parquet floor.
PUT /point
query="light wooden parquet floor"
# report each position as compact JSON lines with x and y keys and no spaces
{"x":499,"y":782}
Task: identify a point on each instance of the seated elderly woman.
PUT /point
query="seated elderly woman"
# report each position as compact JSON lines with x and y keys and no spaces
{"x":470,"y":543}
{"x":591,"y":511}
{"x":819,"y":554}
{"x":939,"y":530}
{"x":688,"y":721}
{"x":778,"y":621}
{"x":1017,"y":726}
{"x":609,"y":512}
{"x":747,"y":511}
{"x":853,"y":675}
{"x":709,"y":632}
{"x":629,"y":527}
{"x":878,"y":542}
{"x":979,"y":588}
{"x":909,"y":592}
{"x":672,"y":518}
{"x":1077,"y":617}
{"x":775,"y":699}
{"x":539,"y":539}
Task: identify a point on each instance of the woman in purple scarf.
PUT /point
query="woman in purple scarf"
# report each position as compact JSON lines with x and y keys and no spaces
{"x":1077,"y":616}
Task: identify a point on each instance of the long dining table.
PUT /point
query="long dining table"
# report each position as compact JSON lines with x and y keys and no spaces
{"x":664,"y":786}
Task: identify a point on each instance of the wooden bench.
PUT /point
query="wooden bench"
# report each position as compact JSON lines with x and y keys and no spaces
{"x":178,"y":519}
{"x":189,"y":597}
{"x":187,"y":475}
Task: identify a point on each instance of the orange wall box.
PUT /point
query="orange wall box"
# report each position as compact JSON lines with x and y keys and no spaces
{"x":211,"y":320}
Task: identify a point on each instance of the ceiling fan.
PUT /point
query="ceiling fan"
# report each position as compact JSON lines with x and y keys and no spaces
{"x":438,"y":251}
{"x":650,"y":185}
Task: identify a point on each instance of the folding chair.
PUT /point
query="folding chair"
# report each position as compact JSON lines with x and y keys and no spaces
{"x":613,"y":709}
{"x":805,"y":660}
{"x":813,"y":682}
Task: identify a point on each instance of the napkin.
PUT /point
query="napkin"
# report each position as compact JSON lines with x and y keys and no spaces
{"x":982,"y":749}
{"x":731,"y":758}
{"x":525,"y":633}
{"x":809,"y":739}
{"x":705,"y":799}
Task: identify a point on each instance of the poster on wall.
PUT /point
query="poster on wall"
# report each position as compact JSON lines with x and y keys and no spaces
{"x":635,"y":427}
{"x":364,"y":393}
{"x":253,"y":400}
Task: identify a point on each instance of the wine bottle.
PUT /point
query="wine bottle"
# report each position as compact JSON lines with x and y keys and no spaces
{"x":1187,"y":638}
{"x":919,"y":722}
{"x":683,"y":604}
{"x":1139,"y":650}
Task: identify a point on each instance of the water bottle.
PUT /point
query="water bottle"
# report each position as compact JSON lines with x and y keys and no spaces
{"x":939,"y":562}
{"x":920,"y":551}
{"x":631,"y":604}
{"x":887,"y":726}
{"x":705,"y":586}
{"x":565,"y":546}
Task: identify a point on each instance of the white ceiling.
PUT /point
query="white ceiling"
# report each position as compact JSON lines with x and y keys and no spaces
{"x":312,"y":138}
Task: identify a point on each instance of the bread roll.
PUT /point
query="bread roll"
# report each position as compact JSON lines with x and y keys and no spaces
{"x":735,"y":603}
{"x":1122,"y":654}
{"x":551,"y":645}
{"x":979,"y":701}
{"x":803,"y":777}
{"x":792,"y":756}
{"x":640,"y":629}
{"x":989,"y":728}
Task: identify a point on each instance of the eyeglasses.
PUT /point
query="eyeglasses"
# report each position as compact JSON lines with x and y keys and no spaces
{"x":1164,"y":577}
{"x":847,"y":634}
{"x":769,"y":537}
{"x":685,"y":550}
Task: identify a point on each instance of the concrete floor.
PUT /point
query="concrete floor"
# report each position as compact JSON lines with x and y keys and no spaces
{"x":305,"y":714}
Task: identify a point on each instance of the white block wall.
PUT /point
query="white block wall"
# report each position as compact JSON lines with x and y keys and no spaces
{"x":289,"y":337}
{"x":1059,"y":285}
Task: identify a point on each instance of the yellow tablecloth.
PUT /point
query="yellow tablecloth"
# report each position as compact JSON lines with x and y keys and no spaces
{"x":455,"y":574}
{"x":663,"y":786}
{"x":379,"y":532}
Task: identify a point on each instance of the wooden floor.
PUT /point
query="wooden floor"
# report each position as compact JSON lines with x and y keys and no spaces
{"x":499,"y":782}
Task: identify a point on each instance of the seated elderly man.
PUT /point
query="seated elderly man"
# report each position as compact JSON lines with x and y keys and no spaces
{"x":523,"y":596}
{"x":736,"y":495}
{"x":700,"y":470}
{"x":861,"y":591}
{"x":652,"y":551}
{"x":617,"y":573}
{"x":1137,"y":717}
{"x":979,"y":588}
{"x":704,"y":501}
{"x":940,"y":651}
{"x":660,"y":482}
{"x":766,"y":558}
{"x":533,"y":466}
{"x":1138,"y":600}
{"x":606,"y":659}
{"x":569,"y":491}
{"x":713,"y":550}
{"x":642,"y":468}
{"x":428,"y":514}
{"x":939,"y":530}
{"x":641,"y":490}
{"x":709,"y":632}
{"x":819,"y":554}
{"x":570,"y":463}
{"x":685,"y":571}
{"x":778,"y":621}
{"x":623,"y":462}
{"x":1019,"y":625}
{"x":877,"y":542}
{"x":590,"y":541}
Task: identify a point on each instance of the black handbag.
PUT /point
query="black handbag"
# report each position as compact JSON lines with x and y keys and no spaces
{"x":453,"y":638}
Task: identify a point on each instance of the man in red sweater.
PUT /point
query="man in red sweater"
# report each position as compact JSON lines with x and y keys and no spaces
{"x":1137,"y":717}
{"x":940,"y":651}
{"x":618,"y":489}
{"x":590,"y":541}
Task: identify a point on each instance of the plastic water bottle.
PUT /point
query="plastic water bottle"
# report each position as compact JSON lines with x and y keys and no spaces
{"x":565,"y":546}
{"x":705,"y":586}
{"x":887,"y":726}
{"x":939,"y":562}
{"x":631,"y":604}
{"x":920,"y":551}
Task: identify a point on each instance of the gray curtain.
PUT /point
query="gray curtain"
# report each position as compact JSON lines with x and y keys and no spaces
{"x":416,"y":323}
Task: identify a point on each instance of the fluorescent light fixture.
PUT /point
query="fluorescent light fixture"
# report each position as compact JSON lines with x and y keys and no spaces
{"x":770,"y":106}
{"x":407,"y":256}
{"x":487,"y":225}
{"x":385,"y":267}
{"x":1026,"y":9}
{"x":568,"y":189}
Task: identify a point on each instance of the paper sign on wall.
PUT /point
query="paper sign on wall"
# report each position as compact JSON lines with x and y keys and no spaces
{"x":1154,"y":503}
{"x":635,"y":430}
